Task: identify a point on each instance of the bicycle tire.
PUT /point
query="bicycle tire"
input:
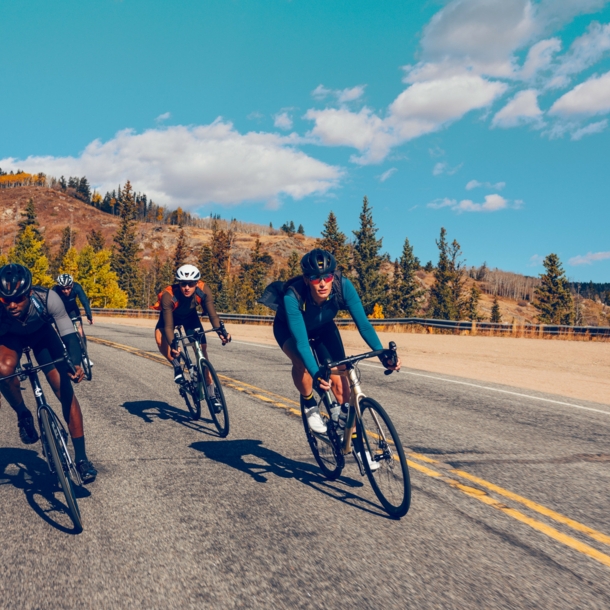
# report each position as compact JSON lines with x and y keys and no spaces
{"x":56,"y":450}
{"x":329,"y":458}
{"x":219,"y":417}
{"x":377,"y":435}
{"x":85,"y":359}
{"x":190,"y":391}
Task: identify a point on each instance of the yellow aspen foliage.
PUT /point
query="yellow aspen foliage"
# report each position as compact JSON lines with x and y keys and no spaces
{"x":96,"y":199}
{"x":3,"y":260}
{"x":69,"y":263}
{"x":377,"y":312}
{"x":28,"y":251}
{"x":98,"y":280}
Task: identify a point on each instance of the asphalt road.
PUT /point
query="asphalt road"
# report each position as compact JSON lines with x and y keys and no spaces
{"x":510,"y":498}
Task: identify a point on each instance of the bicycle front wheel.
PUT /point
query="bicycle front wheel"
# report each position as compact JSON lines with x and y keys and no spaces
{"x":218,"y":404}
{"x":85,"y":360}
{"x":60,"y":464}
{"x":383,"y":458}
{"x":190,"y":389}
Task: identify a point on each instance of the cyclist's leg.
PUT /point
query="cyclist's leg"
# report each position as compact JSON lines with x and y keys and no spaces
{"x":329,"y":340}
{"x":10,"y":352}
{"x":162,"y":344}
{"x":75,"y":313}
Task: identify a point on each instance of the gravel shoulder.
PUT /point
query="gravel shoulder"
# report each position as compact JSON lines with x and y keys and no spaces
{"x":574,"y":369}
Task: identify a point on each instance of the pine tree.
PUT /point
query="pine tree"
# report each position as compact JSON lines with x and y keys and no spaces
{"x":294,"y":264}
{"x":206,"y":265}
{"x":473,"y":303}
{"x":255,"y":272}
{"x":68,"y":236}
{"x":496,"y":315}
{"x":96,"y":240}
{"x":367,"y":261}
{"x":221,"y":243}
{"x":181,"y":251}
{"x":446,"y":295}
{"x":30,"y":219}
{"x":553,"y":298}
{"x":335,"y":242}
{"x":301,"y":230}
{"x":125,"y":252}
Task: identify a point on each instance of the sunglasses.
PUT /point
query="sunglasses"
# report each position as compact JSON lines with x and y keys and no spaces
{"x":316,"y":279}
{"x":8,"y":300}
{"x":189,"y":284}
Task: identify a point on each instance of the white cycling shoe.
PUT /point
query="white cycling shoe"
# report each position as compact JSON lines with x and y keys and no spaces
{"x":315,"y":421}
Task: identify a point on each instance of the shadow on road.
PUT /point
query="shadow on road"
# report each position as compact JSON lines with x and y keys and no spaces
{"x":150,"y":410}
{"x":37,"y":482}
{"x":264,"y":462}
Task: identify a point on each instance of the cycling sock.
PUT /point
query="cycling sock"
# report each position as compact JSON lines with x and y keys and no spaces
{"x":79,"y":448}
{"x":308,"y":401}
{"x":21,"y":410}
{"x":211,"y":390}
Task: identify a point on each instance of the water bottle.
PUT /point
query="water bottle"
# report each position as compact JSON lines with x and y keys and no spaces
{"x":334,"y":412}
{"x":342,"y":418}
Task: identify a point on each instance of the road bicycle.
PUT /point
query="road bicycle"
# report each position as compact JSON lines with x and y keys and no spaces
{"x":369,"y":435}
{"x":194,"y":388}
{"x":53,"y":436}
{"x":86,"y":363}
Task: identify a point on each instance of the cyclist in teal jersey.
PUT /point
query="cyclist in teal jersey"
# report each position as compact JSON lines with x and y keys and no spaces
{"x":307,"y":310}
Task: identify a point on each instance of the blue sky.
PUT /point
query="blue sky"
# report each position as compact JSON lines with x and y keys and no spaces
{"x":487,"y":117}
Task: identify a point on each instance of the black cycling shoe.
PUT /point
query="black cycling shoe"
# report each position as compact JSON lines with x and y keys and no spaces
{"x":27,"y":429}
{"x":178,"y":376}
{"x":87,"y":471}
{"x":216,"y":404}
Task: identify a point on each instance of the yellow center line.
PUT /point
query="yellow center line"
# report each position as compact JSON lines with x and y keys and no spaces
{"x":472,"y":492}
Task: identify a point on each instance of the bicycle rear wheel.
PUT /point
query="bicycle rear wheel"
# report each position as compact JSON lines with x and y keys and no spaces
{"x":60,"y":463}
{"x":219,"y":412}
{"x":327,"y":453}
{"x":383,"y":458}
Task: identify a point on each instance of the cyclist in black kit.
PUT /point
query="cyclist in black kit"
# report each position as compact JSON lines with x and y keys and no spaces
{"x":69,"y":291}
{"x":27,"y":315}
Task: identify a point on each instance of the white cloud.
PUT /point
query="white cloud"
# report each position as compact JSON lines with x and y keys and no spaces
{"x":588,"y":259}
{"x":539,"y":57}
{"x":163,"y":117}
{"x":443,"y":168}
{"x":439,"y":168}
{"x":342,"y":95}
{"x":523,"y":108}
{"x":590,"y":97}
{"x":387,"y":174}
{"x":590,"y":129}
{"x":191,"y":166}
{"x":492,"y":203}
{"x":535,"y":261}
{"x":350,"y":95}
{"x":422,"y":108}
{"x":283,"y":121}
{"x":473,"y":184}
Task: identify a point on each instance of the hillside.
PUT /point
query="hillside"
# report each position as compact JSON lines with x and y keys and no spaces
{"x":56,"y":209}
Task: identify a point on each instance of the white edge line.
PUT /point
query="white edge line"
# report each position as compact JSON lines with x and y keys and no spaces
{"x":484,"y":387}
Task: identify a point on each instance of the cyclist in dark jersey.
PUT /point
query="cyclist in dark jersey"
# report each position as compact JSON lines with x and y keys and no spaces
{"x":307,"y":311}
{"x":69,"y":291}
{"x":178,"y":307}
{"x":28,"y":314}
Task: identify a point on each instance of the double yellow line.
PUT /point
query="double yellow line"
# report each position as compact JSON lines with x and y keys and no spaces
{"x":425,"y":468}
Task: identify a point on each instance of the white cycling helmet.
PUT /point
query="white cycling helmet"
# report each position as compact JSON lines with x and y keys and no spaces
{"x":187,"y":273}
{"x":65,"y":280}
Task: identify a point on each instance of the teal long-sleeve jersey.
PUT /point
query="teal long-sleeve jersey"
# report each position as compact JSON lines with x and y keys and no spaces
{"x":304,"y":322}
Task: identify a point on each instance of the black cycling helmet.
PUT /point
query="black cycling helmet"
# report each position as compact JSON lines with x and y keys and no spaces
{"x":15,"y":281}
{"x":318,"y":262}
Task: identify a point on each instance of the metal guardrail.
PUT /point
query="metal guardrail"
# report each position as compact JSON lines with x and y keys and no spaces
{"x":464,"y":325}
